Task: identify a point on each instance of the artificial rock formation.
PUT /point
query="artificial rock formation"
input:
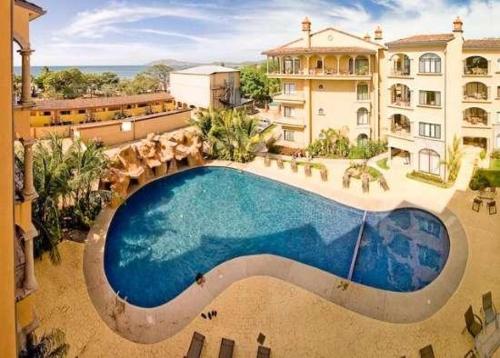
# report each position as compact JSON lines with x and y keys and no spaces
{"x":154,"y":156}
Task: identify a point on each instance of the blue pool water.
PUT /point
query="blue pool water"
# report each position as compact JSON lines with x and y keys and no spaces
{"x":190,"y":222}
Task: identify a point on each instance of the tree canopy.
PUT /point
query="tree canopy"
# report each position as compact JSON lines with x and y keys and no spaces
{"x":255,"y":84}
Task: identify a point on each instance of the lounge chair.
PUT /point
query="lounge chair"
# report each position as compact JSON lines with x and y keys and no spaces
{"x":489,"y":310}
{"x":226,"y":348}
{"x":196,"y":346}
{"x":346,"y":180}
{"x":427,"y":352}
{"x":293,"y":165}
{"x":263,"y":352}
{"x":307,"y":170}
{"x":492,"y":207}
{"x":279,"y":162}
{"x":476,"y":204}
{"x":365,"y":183}
{"x":383,"y":183}
{"x":473,"y":323}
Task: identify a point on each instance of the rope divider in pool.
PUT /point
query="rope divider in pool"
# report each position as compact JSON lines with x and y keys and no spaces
{"x":356,"y":248}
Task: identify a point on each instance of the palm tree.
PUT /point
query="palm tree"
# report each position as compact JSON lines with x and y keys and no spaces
{"x":66,"y":183}
{"x":51,"y":345}
{"x":454,"y":159}
{"x":230,"y":134}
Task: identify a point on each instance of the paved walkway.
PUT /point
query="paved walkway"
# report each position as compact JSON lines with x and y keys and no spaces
{"x":296,"y":322}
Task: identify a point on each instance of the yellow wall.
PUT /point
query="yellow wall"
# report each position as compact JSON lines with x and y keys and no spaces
{"x":7,"y":282}
{"x":38,"y":119}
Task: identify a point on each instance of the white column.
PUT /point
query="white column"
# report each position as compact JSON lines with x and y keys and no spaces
{"x":29,"y":192}
{"x":26,"y":76}
{"x":30,"y":282}
{"x":323,"y":64}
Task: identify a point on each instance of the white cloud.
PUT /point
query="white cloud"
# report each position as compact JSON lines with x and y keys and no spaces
{"x":242,"y":32}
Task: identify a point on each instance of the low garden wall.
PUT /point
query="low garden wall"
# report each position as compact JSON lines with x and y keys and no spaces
{"x":119,"y":131}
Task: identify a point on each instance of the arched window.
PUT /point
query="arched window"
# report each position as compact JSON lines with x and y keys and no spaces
{"x":320,"y":87}
{"x":362,"y":139}
{"x":429,"y":63}
{"x":362,"y":92}
{"x":400,"y":95}
{"x":476,"y":65}
{"x":497,"y":144}
{"x":400,"y":124}
{"x":321,"y":112}
{"x":475,"y":115}
{"x":362,"y":65}
{"x":362,"y":116}
{"x":429,"y":161}
{"x":475,"y":91}
{"x":400,"y":65}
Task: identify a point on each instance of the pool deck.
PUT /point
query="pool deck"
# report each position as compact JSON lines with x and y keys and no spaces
{"x":297,"y":322}
{"x":152,"y":325}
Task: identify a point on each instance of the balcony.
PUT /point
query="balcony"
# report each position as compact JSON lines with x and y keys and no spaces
{"x":400,"y":96}
{"x":475,"y":92}
{"x":289,"y":97}
{"x":475,"y":118}
{"x":476,"y":66}
{"x":400,"y":126}
{"x":400,"y":66}
{"x":297,"y":122}
{"x":322,"y":67}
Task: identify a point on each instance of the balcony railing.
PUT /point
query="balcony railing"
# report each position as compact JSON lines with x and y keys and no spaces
{"x":400,"y":72}
{"x":480,"y":121}
{"x":476,"y":96}
{"x":475,"y":71}
{"x":401,"y":103}
{"x":400,"y":130}
{"x":326,"y":72}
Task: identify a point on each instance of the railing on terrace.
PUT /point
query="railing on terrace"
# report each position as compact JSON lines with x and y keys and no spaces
{"x":326,"y":72}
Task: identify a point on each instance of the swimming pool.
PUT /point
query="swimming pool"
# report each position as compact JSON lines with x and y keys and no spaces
{"x":190,"y":222}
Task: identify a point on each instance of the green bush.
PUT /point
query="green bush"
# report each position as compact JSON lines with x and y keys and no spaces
{"x":479,"y":181}
{"x":482,"y":154}
{"x":495,"y":154}
{"x":382,"y":163}
{"x":428,"y":179}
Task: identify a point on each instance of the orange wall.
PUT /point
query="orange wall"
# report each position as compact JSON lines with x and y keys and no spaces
{"x":110,"y":132}
{"x":8,"y":346}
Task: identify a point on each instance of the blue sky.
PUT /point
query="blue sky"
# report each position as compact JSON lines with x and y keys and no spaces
{"x":102,"y":32}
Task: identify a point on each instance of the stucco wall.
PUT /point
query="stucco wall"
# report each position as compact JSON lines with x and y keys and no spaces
{"x":111,"y":133}
{"x":191,"y":89}
{"x":8,"y":344}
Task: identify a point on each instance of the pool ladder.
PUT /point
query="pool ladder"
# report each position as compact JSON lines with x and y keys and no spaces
{"x":356,"y":248}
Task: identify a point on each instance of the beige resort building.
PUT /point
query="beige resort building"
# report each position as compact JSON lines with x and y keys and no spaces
{"x":417,"y":93}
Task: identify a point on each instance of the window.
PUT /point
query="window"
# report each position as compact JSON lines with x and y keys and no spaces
{"x":498,"y":92}
{"x":362,"y":91}
{"x":64,"y":113}
{"x":46,"y":113}
{"x":113,"y":109}
{"x":429,"y":161}
{"x":429,"y":63}
{"x":362,"y":139}
{"x":81,"y":111}
{"x":288,"y":135}
{"x":142,"y":105}
{"x":319,"y":64}
{"x":288,"y":88}
{"x":362,"y":116}
{"x":430,"y":98}
{"x":320,"y":87}
{"x":429,"y":130}
{"x":321,"y":112}
{"x":287,"y":111}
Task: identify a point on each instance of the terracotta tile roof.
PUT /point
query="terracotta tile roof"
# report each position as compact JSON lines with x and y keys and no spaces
{"x":489,"y":43}
{"x":78,"y":103}
{"x":316,"y":50}
{"x":422,"y":40}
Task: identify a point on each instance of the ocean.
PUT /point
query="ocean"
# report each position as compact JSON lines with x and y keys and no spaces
{"x":122,"y":71}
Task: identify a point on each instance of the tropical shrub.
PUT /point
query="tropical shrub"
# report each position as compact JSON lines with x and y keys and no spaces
{"x":51,"y":345}
{"x":330,"y":143}
{"x":454,"y":159}
{"x":68,"y":198}
{"x":229,"y":134}
{"x":495,"y":154}
{"x":479,"y":181}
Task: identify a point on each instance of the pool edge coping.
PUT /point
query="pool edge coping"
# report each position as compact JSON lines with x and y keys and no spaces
{"x":151,"y":325}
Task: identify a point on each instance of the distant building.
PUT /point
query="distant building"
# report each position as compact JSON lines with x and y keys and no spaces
{"x":207,"y":87}
{"x":81,"y":110}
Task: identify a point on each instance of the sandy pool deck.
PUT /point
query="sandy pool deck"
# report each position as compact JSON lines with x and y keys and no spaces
{"x":296,"y":322}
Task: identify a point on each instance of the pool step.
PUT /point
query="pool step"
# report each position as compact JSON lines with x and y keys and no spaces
{"x":356,"y":248}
